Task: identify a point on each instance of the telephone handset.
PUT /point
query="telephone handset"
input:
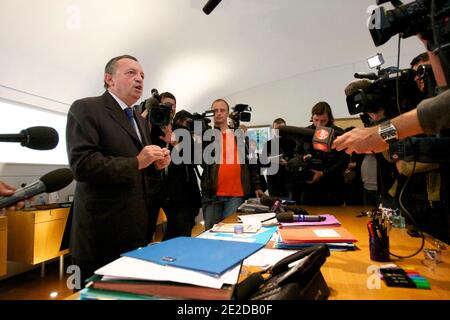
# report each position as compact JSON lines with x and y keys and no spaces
{"x":301,"y":281}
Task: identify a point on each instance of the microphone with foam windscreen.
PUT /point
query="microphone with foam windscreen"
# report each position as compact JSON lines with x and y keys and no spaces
{"x":291,"y":217}
{"x":151,"y":103}
{"x":210,"y":6}
{"x":50,"y":182}
{"x":38,"y":138}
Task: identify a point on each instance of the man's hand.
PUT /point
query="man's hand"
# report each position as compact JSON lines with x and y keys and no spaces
{"x":7,"y":190}
{"x":259,"y":193}
{"x":148,"y":155}
{"x":317,"y":176}
{"x":360,"y":141}
{"x":164,"y":162}
{"x":283,"y":162}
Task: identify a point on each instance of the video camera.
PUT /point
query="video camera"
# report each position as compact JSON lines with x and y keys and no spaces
{"x":392,"y":89}
{"x":430,"y":18}
{"x":241,"y":112}
{"x":159,"y":114}
{"x":203,"y":118}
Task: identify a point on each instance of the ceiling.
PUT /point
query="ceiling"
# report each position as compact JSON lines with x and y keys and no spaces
{"x":57,"y":49}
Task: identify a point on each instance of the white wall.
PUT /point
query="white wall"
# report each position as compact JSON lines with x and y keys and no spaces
{"x":293,"y":98}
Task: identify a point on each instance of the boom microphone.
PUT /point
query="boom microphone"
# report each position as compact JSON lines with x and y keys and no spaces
{"x":210,"y":6}
{"x":356,"y":85}
{"x":151,"y":103}
{"x":49,"y":182}
{"x":291,"y":217}
{"x":38,"y":138}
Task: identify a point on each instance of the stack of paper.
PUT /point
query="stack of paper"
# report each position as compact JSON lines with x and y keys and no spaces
{"x":336,"y":237}
{"x":180,"y":268}
{"x":213,"y":257}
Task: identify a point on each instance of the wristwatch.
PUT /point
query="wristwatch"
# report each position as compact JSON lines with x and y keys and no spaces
{"x":388,"y":132}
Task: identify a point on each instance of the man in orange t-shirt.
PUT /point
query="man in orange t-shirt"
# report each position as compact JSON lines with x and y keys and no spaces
{"x":226,"y":184}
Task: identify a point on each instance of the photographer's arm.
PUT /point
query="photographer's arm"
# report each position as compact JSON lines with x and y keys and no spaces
{"x":431,"y":116}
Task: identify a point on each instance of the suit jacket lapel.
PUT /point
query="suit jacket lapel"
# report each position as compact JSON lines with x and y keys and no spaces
{"x":119,"y":116}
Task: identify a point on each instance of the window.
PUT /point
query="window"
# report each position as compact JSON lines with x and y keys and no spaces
{"x":260,"y":134}
{"x":15,"y":117}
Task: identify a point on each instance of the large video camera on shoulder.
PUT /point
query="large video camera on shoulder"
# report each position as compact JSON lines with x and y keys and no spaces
{"x":391,"y":89}
{"x":159,"y":114}
{"x":241,"y":112}
{"x":429,"y":18}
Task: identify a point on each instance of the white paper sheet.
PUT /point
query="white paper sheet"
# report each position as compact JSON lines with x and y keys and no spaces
{"x":131,"y":268}
{"x":265,"y":258}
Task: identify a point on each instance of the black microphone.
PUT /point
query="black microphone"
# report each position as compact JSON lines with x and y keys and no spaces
{"x":291,"y":217}
{"x":49,"y":182}
{"x":210,"y":6}
{"x":296,"y":132}
{"x":273,"y":203}
{"x":38,"y":138}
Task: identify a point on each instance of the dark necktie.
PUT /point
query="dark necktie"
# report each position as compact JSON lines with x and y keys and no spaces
{"x":129,"y":112}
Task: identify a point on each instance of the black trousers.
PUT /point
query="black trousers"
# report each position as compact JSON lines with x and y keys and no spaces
{"x":87,"y":269}
{"x":180,"y":220}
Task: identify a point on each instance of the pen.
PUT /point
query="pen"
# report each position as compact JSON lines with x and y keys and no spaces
{"x":267,"y":219}
{"x":369,"y":227}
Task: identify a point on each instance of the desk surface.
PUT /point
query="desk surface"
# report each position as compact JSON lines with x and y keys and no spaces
{"x":347,"y":275}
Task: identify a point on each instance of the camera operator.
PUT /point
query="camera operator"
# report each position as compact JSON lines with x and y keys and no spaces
{"x":280,"y":184}
{"x":323,"y":183}
{"x":225,"y":184}
{"x":422,"y":195}
{"x":431,"y":116}
{"x":378,"y":166}
{"x":429,"y":20}
{"x":424,"y":75}
{"x":179,"y":194}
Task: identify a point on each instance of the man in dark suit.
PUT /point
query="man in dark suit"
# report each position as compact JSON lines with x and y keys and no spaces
{"x":114,"y":164}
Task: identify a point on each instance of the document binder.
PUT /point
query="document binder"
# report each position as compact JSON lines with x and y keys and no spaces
{"x":213,"y":257}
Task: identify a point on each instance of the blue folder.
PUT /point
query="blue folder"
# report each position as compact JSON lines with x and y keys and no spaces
{"x":213,"y":257}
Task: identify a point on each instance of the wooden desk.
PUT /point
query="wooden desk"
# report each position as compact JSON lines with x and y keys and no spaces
{"x":35,"y":236}
{"x":3,"y":243}
{"x":347,"y":275}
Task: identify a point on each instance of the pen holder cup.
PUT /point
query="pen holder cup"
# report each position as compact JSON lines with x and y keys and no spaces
{"x":379,"y":248}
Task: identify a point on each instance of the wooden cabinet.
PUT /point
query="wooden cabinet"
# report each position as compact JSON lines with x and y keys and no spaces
{"x":3,"y":242}
{"x":35,"y":236}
